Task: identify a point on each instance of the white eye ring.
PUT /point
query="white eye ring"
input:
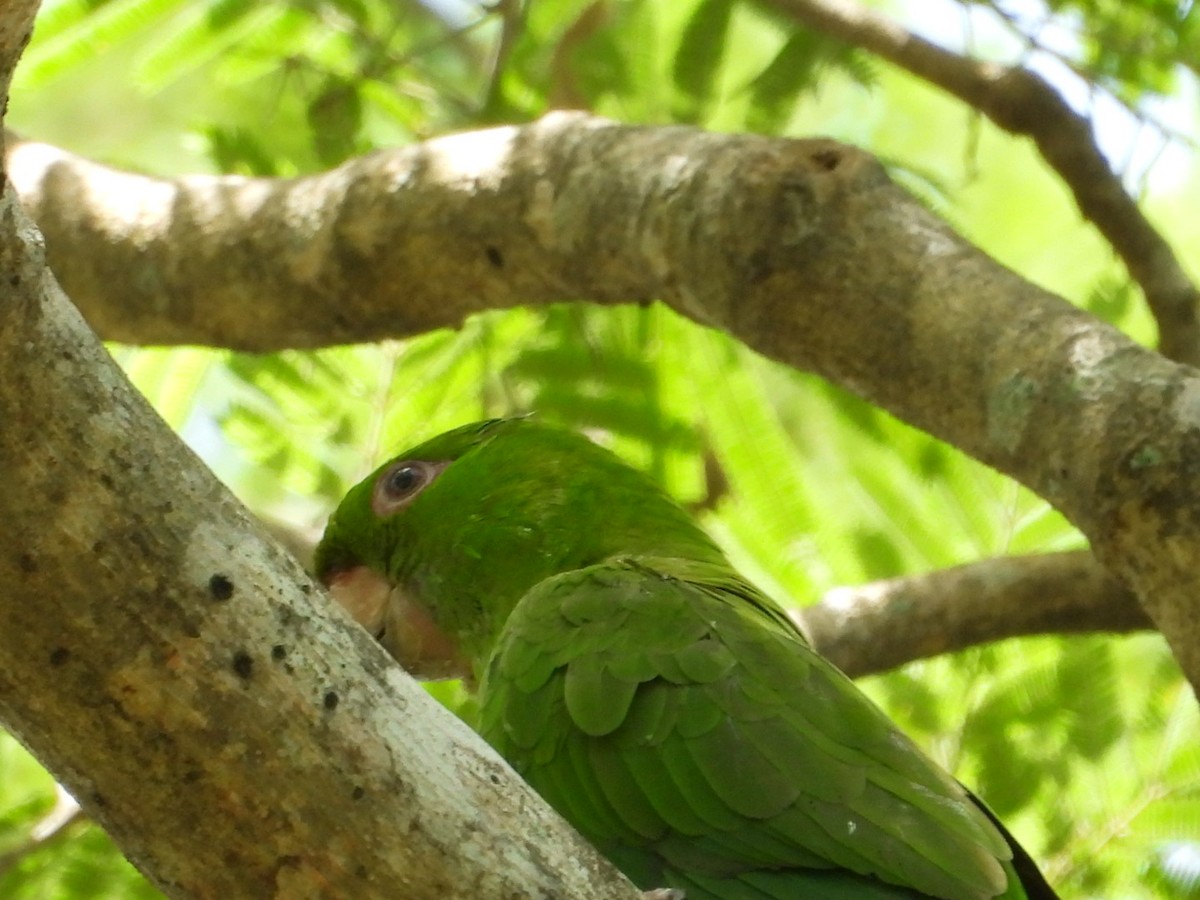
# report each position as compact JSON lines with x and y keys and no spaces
{"x":401,"y":483}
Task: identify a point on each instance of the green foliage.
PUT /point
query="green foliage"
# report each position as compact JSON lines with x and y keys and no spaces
{"x":77,"y":861}
{"x":798,"y":68}
{"x":1134,"y":47}
{"x":1088,"y":746}
{"x":698,"y":59}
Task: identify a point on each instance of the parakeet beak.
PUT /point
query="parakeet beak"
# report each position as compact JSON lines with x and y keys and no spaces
{"x":363,"y":593}
{"x":401,"y":624}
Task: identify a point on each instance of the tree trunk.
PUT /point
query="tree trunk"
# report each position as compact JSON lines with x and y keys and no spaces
{"x":234,"y":732}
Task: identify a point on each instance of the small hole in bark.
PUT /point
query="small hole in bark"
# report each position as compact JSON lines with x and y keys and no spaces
{"x":59,"y":656}
{"x":827,"y":159}
{"x":358,"y":793}
{"x":278,"y":652}
{"x":243,"y":664}
{"x":331,"y":700}
{"x":495,"y":257}
{"x":220,"y":586}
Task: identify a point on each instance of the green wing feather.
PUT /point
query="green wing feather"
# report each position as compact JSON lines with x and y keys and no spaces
{"x":676,"y":717}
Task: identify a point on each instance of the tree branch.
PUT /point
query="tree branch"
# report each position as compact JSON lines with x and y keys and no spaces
{"x":804,"y":250}
{"x":885,"y":624}
{"x":181,"y":675}
{"x":1022,"y":102}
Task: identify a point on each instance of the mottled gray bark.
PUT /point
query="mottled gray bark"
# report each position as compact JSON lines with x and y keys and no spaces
{"x":179,"y":672}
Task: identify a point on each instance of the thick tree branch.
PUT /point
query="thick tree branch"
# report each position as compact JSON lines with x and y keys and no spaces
{"x":1022,"y":102}
{"x":805,"y":250}
{"x":16,"y":28}
{"x":235,"y":733}
{"x":878,"y":626}
{"x":184,"y":680}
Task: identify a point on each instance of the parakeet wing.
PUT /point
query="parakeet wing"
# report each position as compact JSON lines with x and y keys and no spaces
{"x":670,"y":711}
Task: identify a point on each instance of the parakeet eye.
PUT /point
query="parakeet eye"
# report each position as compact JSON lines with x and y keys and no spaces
{"x":401,"y":483}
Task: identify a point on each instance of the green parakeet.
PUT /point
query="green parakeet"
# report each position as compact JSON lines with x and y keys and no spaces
{"x":659,"y":701}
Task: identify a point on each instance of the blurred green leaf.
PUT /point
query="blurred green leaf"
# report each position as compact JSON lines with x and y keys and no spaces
{"x":698,"y":58}
{"x":797,"y":68}
{"x":335,"y":116}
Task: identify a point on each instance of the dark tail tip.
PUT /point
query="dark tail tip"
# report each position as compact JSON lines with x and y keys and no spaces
{"x":1032,"y":879}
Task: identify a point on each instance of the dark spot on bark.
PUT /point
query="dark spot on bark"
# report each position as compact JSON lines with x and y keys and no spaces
{"x":27,"y":563}
{"x":361,"y":871}
{"x":290,"y":862}
{"x":495,"y":257}
{"x":190,"y":630}
{"x":495,"y":778}
{"x":828,"y":159}
{"x":220,"y":586}
{"x":331,"y":700}
{"x":98,"y":547}
{"x":59,"y":656}
{"x":106,"y":480}
{"x":306,"y":588}
{"x":243,"y":664}
{"x":14,"y":280}
{"x":99,"y":799}
{"x":192,"y":775}
{"x":141,"y":542}
{"x":278,"y":652}
{"x":358,"y":793}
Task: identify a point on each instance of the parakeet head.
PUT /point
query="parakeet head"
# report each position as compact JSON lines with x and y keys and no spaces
{"x":434,"y":549}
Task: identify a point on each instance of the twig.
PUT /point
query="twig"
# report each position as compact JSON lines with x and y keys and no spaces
{"x":885,"y":624}
{"x":512,"y":23}
{"x":52,"y":827}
